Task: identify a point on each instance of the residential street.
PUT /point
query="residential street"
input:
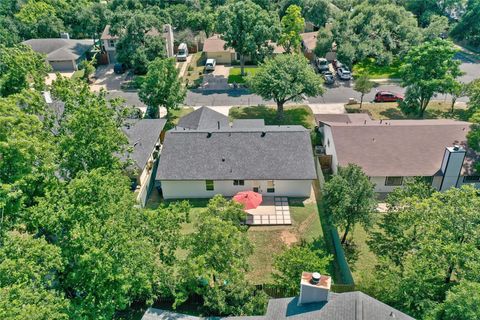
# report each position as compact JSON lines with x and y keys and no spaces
{"x":340,"y":93}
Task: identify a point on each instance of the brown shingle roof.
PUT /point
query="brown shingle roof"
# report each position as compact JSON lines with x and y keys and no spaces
{"x":215,"y":44}
{"x":107,"y":36}
{"x":309,"y":40}
{"x":399,"y":147}
{"x":342,"y":117}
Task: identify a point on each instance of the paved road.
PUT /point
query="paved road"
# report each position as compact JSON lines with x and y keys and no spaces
{"x":337,"y":94}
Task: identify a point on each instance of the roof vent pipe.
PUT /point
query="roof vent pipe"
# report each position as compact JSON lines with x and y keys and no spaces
{"x":209,"y":135}
{"x":263,"y":134}
{"x":315,"y":278}
{"x":218,"y":123}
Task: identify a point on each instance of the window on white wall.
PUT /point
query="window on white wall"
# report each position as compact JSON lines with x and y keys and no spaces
{"x":209,"y":185}
{"x":471,"y":179}
{"x":111,"y":43}
{"x":270,"y":186}
{"x":393,"y":181}
{"x":238,"y":182}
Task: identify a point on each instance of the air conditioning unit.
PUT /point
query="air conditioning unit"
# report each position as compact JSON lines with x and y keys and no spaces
{"x":319,"y":150}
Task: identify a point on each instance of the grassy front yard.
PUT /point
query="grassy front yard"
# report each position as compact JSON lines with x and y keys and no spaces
{"x":235,"y":74}
{"x":194,"y":73}
{"x":375,"y":71}
{"x":435,"y":110}
{"x":293,"y":115}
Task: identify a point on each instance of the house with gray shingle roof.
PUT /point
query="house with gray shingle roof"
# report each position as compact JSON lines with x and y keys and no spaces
{"x":144,"y":140}
{"x":316,"y":302}
{"x":205,"y":155}
{"x":390,"y":151}
{"x":62,"y":54}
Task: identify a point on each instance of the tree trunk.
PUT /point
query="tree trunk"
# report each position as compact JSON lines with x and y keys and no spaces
{"x":242,"y":64}
{"x":280,"y":111}
{"x":361,"y":101}
{"x":423,"y":106}
{"x":454,"y":99}
{"x":347,"y":229}
{"x":448,"y":278}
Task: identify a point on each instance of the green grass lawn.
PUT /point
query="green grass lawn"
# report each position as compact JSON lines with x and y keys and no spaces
{"x":293,"y":115}
{"x":376,"y":71}
{"x":194,"y":74}
{"x":435,"y":110}
{"x":267,"y":241}
{"x":235,"y":74}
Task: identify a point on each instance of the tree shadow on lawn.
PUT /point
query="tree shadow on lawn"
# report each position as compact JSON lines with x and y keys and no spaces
{"x":292,"y":115}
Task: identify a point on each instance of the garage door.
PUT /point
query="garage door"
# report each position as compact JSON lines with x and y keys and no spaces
{"x":62,"y":65}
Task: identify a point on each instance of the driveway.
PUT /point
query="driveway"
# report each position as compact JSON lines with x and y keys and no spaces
{"x":107,"y":79}
{"x":217,"y":79}
{"x":53,"y":76}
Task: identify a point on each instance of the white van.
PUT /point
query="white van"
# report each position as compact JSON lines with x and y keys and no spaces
{"x":182,"y":52}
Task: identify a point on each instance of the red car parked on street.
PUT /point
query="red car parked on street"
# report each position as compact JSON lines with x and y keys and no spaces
{"x":387,"y":96}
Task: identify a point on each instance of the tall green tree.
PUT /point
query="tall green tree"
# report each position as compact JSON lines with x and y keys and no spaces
{"x":428,"y":69}
{"x":30,"y":270}
{"x":349,"y":199}
{"x":290,"y":264}
{"x":434,"y":247}
{"x":324,"y":42}
{"x":89,"y":137}
{"x":317,"y":11}
{"x":292,"y":24}
{"x":215,"y":269}
{"x":380,"y":30}
{"x":285,"y":78}
{"x":38,"y":19}
{"x":473,"y":92}
{"x":461,"y":303}
{"x":28,"y":160}
{"x":139,"y":43}
{"x":363,"y":85}
{"x":246,"y":27}
{"x":114,"y":252}
{"x":20,"y":68}
{"x":162,"y":87}
{"x":468,"y":28}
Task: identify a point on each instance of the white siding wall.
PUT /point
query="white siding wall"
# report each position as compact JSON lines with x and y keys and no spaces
{"x":196,"y":189}
{"x":330,"y":147}
{"x":380,"y":184}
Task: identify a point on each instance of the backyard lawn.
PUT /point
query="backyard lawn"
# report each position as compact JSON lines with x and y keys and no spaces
{"x":293,"y":115}
{"x":235,"y":77}
{"x":435,"y":110}
{"x":376,"y":71}
{"x":267,"y":240}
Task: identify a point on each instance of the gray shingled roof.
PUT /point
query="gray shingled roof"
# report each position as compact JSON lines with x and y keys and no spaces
{"x":399,"y":147}
{"x":248,"y":123}
{"x":58,"y":49}
{"x":340,"y":306}
{"x":142,"y":136}
{"x":271,"y":152}
{"x":203,"y":118}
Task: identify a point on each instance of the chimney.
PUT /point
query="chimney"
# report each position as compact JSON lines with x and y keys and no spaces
{"x":314,"y":287}
{"x":168,"y":35}
{"x":452,"y":165}
{"x":64,"y":35}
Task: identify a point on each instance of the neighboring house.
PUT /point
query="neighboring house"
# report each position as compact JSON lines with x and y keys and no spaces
{"x":62,"y":54}
{"x":205,"y":155}
{"x":389,"y":151}
{"x":316,"y":301}
{"x":214,"y":48}
{"x":109,"y":41}
{"x":309,"y":42}
{"x":144,"y":139}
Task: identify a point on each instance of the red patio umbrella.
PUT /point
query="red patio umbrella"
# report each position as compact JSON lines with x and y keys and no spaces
{"x":249,"y":199}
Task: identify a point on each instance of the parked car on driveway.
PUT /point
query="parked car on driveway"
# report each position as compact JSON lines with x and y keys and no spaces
{"x":210,"y":64}
{"x":344,"y":74}
{"x":182,"y":52}
{"x":322,"y":65}
{"x":328,"y":78}
{"x":387,"y":96}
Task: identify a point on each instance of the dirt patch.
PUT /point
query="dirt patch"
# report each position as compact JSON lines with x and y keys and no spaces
{"x":288,"y":237}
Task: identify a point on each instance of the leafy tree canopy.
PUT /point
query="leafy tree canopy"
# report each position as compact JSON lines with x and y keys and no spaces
{"x":285,"y":78}
{"x":292,"y":24}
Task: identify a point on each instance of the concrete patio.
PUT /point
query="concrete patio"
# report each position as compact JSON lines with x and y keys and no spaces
{"x":272,"y":211}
